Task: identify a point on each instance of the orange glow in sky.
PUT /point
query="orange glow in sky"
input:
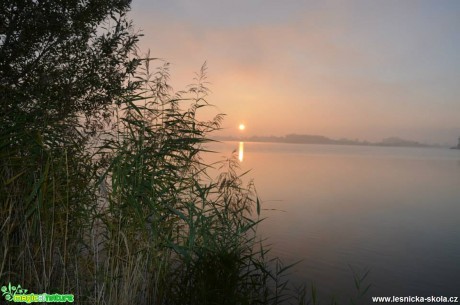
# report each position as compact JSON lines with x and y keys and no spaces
{"x":363,"y":70}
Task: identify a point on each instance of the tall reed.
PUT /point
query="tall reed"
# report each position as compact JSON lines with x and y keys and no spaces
{"x":131,"y":216}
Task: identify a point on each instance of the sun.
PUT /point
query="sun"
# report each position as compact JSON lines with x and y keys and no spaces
{"x":241,"y":127}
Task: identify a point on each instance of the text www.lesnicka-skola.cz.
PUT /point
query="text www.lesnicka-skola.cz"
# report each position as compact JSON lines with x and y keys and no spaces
{"x":415,"y":299}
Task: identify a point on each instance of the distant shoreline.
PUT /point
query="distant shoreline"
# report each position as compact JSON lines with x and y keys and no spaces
{"x":316,"y":139}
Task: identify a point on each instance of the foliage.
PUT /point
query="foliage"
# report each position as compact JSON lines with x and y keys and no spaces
{"x":62,"y":64}
{"x":60,"y":60}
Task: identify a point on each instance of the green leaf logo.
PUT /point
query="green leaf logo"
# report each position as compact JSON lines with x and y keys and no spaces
{"x":10,"y":291}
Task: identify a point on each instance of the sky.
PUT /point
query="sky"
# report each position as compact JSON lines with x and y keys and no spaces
{"x":344,"y":69}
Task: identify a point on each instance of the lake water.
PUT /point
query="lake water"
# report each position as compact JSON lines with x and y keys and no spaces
{"x":392,"y":210}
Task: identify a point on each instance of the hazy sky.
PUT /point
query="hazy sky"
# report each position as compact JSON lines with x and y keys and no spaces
{"x":356,"y":69}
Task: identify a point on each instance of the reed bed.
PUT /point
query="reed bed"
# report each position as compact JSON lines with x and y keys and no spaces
{"x":128,"y":214}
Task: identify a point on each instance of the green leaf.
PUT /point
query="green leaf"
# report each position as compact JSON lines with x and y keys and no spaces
{"x":258,"y":206}
{"x":313,"y":294}
{"x":366,"y":290}
{"x":14,"y":178}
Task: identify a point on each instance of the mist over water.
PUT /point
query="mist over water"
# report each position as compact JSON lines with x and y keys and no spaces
{"x":391,"y":210}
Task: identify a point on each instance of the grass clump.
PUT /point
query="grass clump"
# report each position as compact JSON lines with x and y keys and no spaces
{"x":127,"y":214}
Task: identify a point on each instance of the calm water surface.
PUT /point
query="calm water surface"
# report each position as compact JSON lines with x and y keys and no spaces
{"x":395,"y":211}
